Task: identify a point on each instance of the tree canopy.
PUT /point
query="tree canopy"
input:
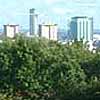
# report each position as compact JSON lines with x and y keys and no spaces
{"x":40,"y":69}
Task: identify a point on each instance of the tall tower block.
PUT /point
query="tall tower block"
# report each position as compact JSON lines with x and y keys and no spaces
{"x":33,"y":22}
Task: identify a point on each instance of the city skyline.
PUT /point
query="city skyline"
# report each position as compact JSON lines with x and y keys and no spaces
{"x":57,"y":11}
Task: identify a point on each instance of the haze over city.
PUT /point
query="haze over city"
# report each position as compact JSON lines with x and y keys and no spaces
{"x":57,"y":11}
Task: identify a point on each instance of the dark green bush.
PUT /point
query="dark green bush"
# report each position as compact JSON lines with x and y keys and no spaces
{"x":38,"y":69}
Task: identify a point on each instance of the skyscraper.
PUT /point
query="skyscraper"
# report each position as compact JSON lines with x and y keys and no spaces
{"x":33,"y":22}
{"x":81,"y":28}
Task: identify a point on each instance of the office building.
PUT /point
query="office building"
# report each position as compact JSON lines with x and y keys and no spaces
{"x":33,"y":22}
{"x":48,"y":31}
{"x":11,"y":30}
{"x":81,"y":28}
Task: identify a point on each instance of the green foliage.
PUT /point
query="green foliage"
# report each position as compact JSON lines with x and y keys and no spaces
{"x":39,"y":69}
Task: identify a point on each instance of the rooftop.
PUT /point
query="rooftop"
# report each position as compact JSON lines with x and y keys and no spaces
{"x":11,"y":25}
{"x":76,"y":17}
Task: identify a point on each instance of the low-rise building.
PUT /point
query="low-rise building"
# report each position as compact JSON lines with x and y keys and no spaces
{"x":11,"y":30}
{"x":49,"y":31}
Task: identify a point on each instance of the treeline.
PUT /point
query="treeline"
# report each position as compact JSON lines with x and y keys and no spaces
{"x":39,"y":69}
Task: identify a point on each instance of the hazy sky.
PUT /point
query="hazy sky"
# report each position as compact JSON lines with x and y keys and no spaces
{"x":57,"y":11}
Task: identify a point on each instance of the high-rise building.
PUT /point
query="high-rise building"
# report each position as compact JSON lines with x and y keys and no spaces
{"x":11,"y":30}
{"x":81,"y":28}
{"x":49,"y":31}
{"x":33,"y":22}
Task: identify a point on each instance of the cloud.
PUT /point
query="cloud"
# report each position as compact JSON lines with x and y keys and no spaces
{"x":84,"y":1}
{"x":51,"y":1}
{"x":61,"y":11}
{"x":88,"y":4}
{"x":54,"y":1}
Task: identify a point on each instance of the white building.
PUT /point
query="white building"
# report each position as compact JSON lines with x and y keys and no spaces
{"x":48,"y":31}
{"x":11,"y":30}
{"x":33,"y":22}
{"x":81,"y":28}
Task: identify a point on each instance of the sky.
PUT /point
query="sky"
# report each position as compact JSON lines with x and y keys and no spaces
{"x":55,"y":11}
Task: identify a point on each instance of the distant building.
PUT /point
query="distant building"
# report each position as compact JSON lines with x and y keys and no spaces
{"x":33,"y":22}
{"x":11,"y":30}
{"x":81,"y":28}
{"x":96,"y":37}
{"x":48,"y":31}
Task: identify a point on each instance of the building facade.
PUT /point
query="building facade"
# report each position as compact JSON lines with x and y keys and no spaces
{"x":49,"y":31}
{"x":33,"y":22}
{"x":81,"y":28}
{"x":11,"y":30}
